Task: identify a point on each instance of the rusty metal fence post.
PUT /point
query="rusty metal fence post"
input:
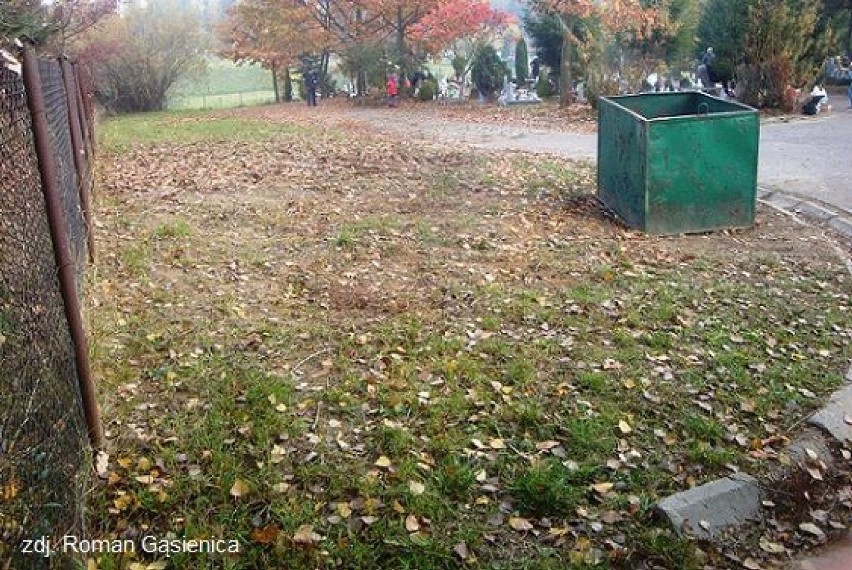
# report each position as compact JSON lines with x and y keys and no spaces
{"x":59,"y":236}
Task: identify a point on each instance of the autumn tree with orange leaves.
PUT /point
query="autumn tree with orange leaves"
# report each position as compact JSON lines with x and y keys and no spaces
{"x":462,"y":28}
{"x":272,"y":34}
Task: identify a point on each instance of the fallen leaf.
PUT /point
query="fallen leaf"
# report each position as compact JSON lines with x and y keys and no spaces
{"x":814,"y":472}
{"x":101,"y":464}
{"x":240,"y":488}
{"x":462,"y":551}
{"x":265,"y":535}
{"x":546,"y":445}
{"x":411,"y":524}
{"x":603,"y":488}
{"x":277,"y":454}
{"x":497,"y":443}
{"x":520,"y":524}
{"x":811,"y":528}
{"x":624,"y":427}
{"x":305,"y":535}
{"x":751,"y":564}
{"x":771,"y":547}
{"x":416,"y":488}
{"x":383,"y":461}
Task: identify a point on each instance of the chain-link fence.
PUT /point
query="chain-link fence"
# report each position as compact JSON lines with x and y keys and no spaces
{"x":45,"y":455}
{"x":56,"y":107}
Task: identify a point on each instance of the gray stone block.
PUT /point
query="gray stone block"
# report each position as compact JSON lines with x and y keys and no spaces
{"x":832,"y":417}
{"x":706,"y":511}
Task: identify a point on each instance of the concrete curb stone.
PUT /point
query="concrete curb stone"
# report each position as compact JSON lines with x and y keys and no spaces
{"x":836,"y":218}
{"x":836,"y":416}
{"x":707,"y":510}
{"x":814,"y":212}
{"x":842,"y":225}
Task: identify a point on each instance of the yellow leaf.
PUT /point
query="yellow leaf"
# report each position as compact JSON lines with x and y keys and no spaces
{"x":628,"y":383}
{"x":416,"y":488}
{"x":497,"y":443}
{"x":10,"y":490}
{"x":396,"y":506}
{"x":344,"y":510}
{"x":144,"y":464}
{"x":123,"y":501}
{"x":125,"y":462}
{"x":624,"y":427}
{"x":383,"y":461}
{"x":602,"y":487}
{"x":520,"y":524}
{"x":240,"y":488}
{"x":305,"y":535}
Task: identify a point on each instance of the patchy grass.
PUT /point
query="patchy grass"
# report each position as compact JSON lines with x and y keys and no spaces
{"x":182,"y":128}
{"x":343,"y":351}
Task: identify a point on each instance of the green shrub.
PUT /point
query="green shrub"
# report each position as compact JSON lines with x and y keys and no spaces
{"x":428,"y":89}
{"x":543,"y":88}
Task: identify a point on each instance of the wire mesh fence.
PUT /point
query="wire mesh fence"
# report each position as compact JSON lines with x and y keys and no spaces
{"x":44,"y":448}
{"x":56,"y":106}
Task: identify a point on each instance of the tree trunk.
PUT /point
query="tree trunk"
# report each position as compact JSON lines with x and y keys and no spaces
{"x":400,"y":42}
{"x":566,"y":94}
{"x":288,"y":85}
{"x":275,"y":82}
{"x":324,"y":73}
{"x":361,"y":82}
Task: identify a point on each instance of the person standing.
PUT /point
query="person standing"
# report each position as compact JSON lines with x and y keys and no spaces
{"x":393,"y":90}
{"x":311,"y":81}
{"x":849,"y":93}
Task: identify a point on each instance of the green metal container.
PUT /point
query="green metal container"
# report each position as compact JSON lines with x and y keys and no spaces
{"x":683,"y":162}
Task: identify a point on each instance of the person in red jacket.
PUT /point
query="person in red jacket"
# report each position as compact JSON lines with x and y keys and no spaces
{"x":393,"y":90}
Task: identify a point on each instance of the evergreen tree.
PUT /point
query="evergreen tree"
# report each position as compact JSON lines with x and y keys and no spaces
{"x":522,"y":64}
{"x":488,"y":71}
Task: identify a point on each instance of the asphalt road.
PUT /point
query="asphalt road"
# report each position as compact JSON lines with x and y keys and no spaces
{"x":810,"y":157}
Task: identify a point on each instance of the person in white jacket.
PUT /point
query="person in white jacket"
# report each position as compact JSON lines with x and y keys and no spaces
{"x":820,"y":92}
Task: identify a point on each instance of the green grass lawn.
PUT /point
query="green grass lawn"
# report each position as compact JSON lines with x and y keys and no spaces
{"x":345,"y":351}
{"x":224,"y":85}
